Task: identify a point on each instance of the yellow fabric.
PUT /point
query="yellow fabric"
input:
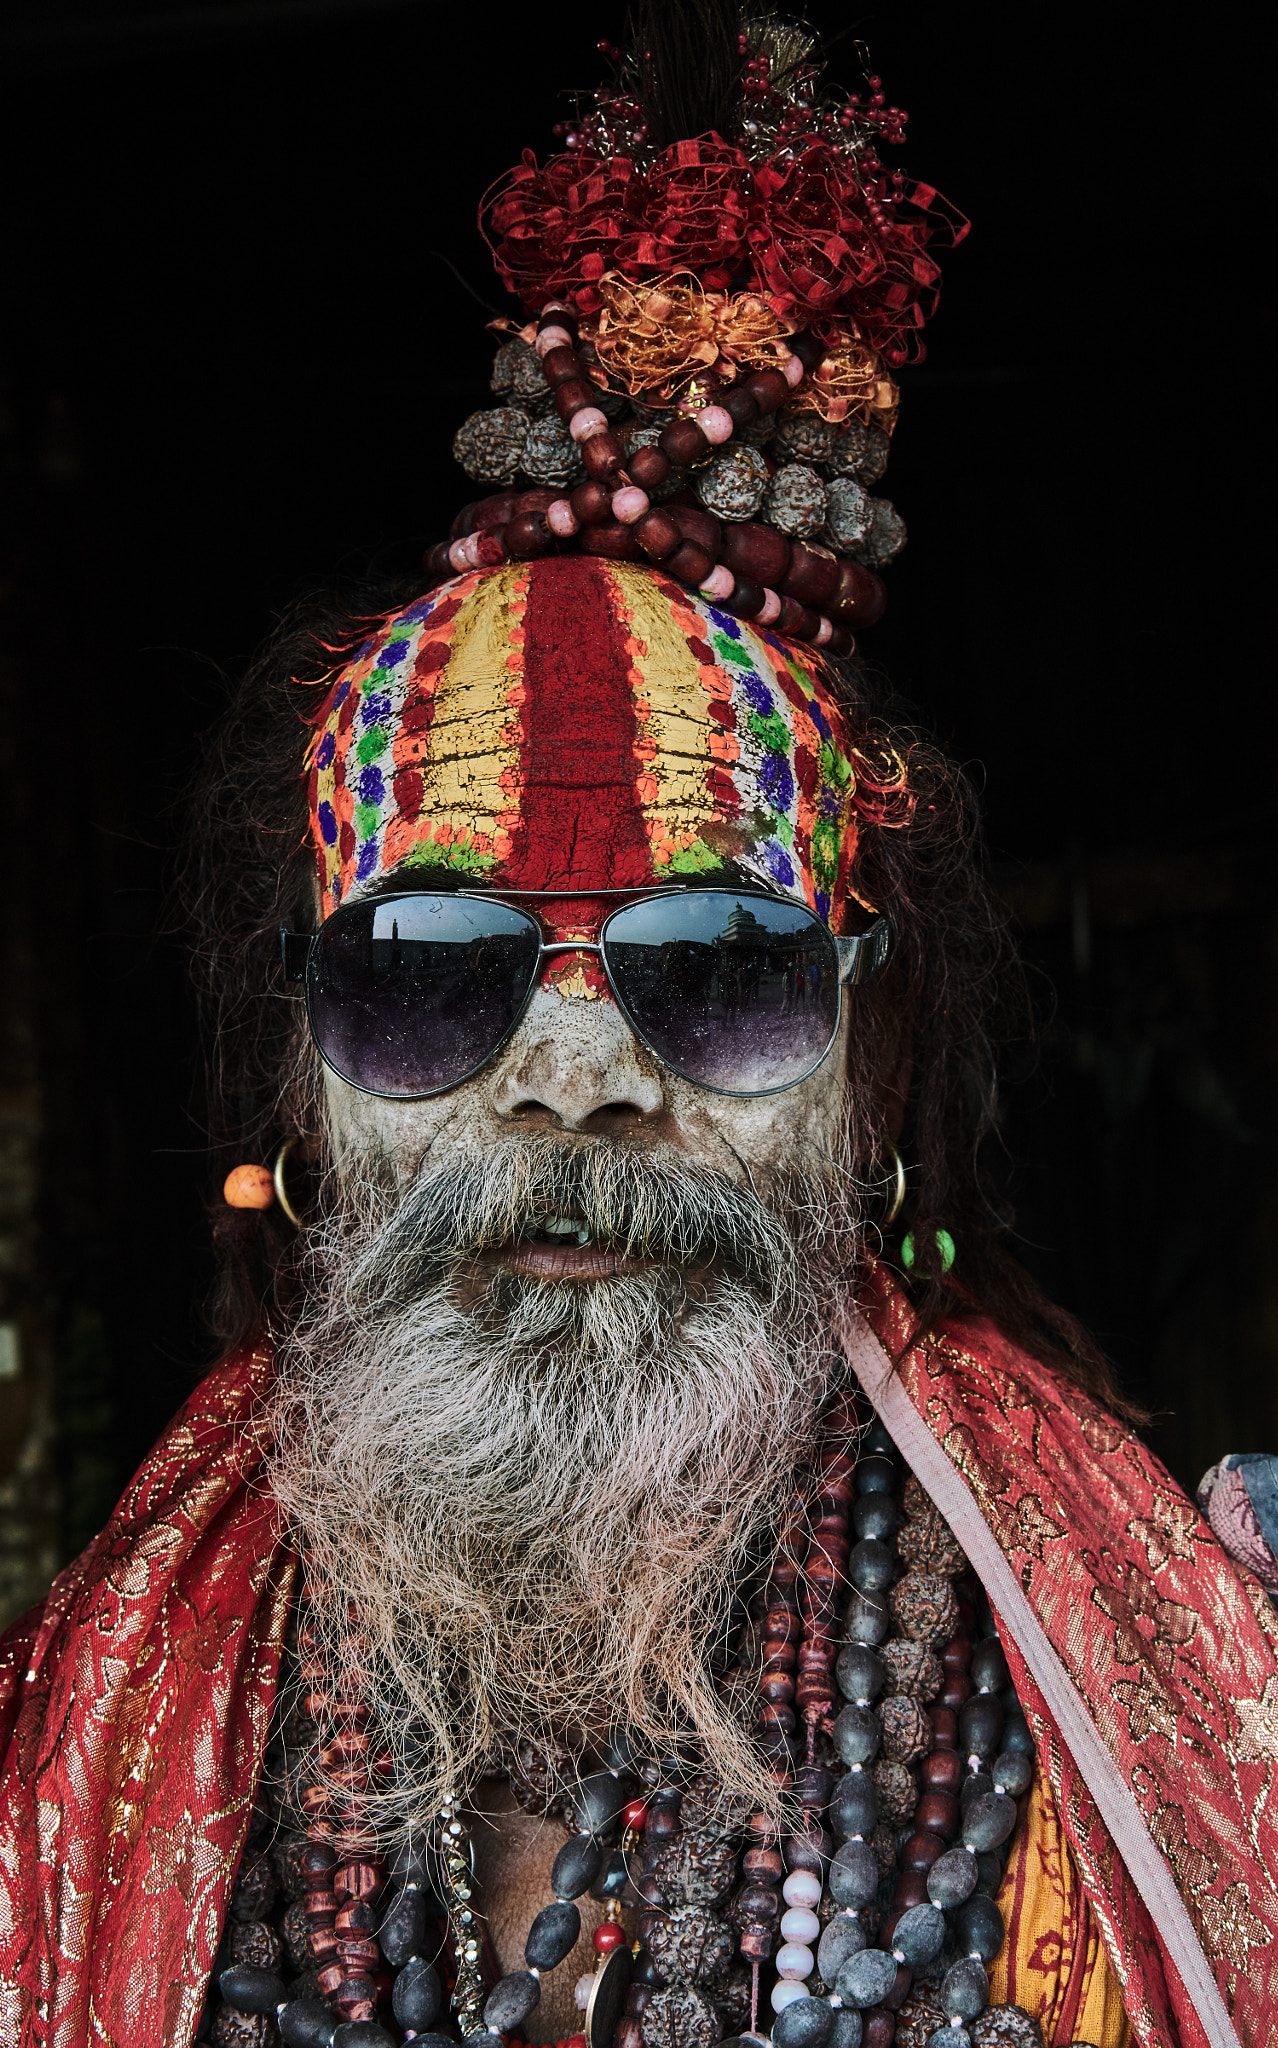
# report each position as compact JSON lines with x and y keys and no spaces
{"x":1053,"y":1963}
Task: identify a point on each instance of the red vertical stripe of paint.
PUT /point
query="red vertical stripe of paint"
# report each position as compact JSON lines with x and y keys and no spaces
{"x":580,"y":825}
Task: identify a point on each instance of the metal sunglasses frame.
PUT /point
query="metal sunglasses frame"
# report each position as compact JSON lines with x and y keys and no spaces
{"x":859,"y":958}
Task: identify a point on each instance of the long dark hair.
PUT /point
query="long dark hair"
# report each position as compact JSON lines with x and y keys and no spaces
{"x":950,"y":995}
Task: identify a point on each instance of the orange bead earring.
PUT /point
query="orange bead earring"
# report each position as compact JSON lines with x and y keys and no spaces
{"x":256,"y":1187}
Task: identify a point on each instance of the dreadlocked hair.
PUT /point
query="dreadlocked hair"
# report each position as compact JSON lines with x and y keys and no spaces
{"x":924,"y":1038}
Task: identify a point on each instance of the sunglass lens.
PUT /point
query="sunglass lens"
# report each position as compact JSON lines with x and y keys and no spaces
{"x":739,"y":993}
{"x":409,"y":994}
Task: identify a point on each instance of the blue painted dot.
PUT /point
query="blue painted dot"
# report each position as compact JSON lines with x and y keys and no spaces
{"x":829,"y":803}
{"x":325,"y":750}
{"x":328,"y":824}
{"x":776,"y":781}
{"x":819,"y":719}
{"x":778,"y":863}
{"x":342,"y":692}
{"x":725,"y":622}
{"x":370,"y":785}
{"x":375,"y":708}
{"x":758,"y":695}
{"x":366,"y":865}
{"x":823,"y":905}
{"x":393,"y":653}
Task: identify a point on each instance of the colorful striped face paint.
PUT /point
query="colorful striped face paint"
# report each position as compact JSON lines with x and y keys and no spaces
{"x":579,"y":724}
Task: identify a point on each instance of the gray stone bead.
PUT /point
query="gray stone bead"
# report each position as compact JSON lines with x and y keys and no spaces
{"x":802,"y":437}
{"x":854,"y":1875}
{"x":515,"y":1996}
{"x":576,"y":1867}
{"x":866,"y":1979}
{"x":854,"y":1808}
{"x":867,"y":1619}
{"x":848,"y":514}
{"x":1017,"y":1737}
{"x":795,"y":501}
{"x":552,"y":1936}
{"x":490,"y":445}
{"x":975,"y":1785}
{"x":418,"y":1996}
{"x":950,"y":2037}
{"x":874,"y":1514}
{"x":858,"y":1734}
{"x":597,"y":1799}
{"x":981,"y":1725}
{"x":842,"y":1938}
{"x":988,"y":1821}
{"x":847,"y":2029}
{"x":517,"y":376}
{"x":1012,"y":1773}
{"x":403,"y":1928}
{"x":733,"y":484}
{"x":861,"y":1674}
{"x":878,"y":1472}
{"x":988,"y":1671}
{"x":965,"y":1990}
{"x":859,"y":451}
{"x":978,"y":1928}
{"x":886,"y":535}
{"x":919,"y":1936}
{"x":550,"y":455}
{"x":952,"y":1878}
{"x":872,"y":1565}
{"x":989,"y":1872}
{"x":362,"y":2034}
{"x":805,"y":2023}
{"x":250,"y":1989}
{"x":307,"y":2023}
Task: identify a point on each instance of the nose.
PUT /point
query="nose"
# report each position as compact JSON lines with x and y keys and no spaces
{"x":575,"y":1065}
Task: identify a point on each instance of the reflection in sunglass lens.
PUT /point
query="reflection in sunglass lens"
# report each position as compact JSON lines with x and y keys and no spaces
{"x":739,"y":993}
{"x":409,"y":994}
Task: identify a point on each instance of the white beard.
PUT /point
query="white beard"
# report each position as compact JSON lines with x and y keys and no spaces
{"x":541,"y":1497}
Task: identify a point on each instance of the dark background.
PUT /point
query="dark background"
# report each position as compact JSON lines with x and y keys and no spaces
{"x":233,"y":358}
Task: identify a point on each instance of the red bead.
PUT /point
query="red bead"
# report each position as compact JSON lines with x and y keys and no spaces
{"x":813,"y":575}
{"x":878,"y":2028}
{"x":695,"y":523}
{"x":746,"y":599}
{"x":436,"y":565}
{"x":750,"y":549}
{"x":611,"y":539}
{"x":740,"y":405}
{"x":861,"y":598}
{"x":956,"y":1689}
{"x":682,"y":442}
{"x":528,"y":536}
{"x":937,"y":1813}
{"x":689,"y":563}
{"x":592,"y":504}
{"x":945,"y":1730}
{"x":911,"y":1889}
{"x":900,"y":1991}
{"x":490,"y":513}
{"x":956,"y":1655}
{"x":603,"y":455}
{"x":656,"y":533}
{"x":648,"y":468}
{"x":796,"y":622}
{"x":573,"y":396}
{"x":606,"y":1937}
{"x":768,"y":389}
{"x":634,"y":1813}
{"x":942,"y":1771}
{"x":921,"y":1851}
{"x":840,"y":640}
{"x":563,"y":365}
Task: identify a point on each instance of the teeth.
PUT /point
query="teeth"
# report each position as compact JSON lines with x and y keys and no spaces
{"x":559,"y":1227}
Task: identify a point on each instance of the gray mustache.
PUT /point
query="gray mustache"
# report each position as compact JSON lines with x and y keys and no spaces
{"x":662,"y":1210}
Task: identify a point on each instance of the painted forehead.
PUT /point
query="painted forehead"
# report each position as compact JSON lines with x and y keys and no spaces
{"x":577,"y":723}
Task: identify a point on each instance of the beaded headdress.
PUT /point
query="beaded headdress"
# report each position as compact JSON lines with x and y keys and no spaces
{"x":720,"y":275}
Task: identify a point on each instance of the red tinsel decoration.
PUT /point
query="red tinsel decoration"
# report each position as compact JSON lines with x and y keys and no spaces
{"x":802,"y":230}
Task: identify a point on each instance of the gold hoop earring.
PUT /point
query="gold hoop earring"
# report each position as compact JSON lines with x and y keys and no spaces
{"x":898,"y":1189}
{"x":277,"y":1175}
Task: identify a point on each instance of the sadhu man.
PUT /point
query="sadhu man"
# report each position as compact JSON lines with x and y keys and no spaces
{"x":648,"y":1567}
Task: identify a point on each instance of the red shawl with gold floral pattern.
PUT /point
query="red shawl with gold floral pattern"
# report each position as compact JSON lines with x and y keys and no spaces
{"x":134,"y":1703}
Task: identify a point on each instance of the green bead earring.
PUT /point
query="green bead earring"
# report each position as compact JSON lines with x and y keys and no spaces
{"x":944,"y":1244}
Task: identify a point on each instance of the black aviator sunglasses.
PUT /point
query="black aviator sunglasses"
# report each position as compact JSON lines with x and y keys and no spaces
{"x":735,"y":990}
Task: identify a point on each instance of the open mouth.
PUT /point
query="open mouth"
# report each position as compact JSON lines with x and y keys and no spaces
{"x":556,"y":1247}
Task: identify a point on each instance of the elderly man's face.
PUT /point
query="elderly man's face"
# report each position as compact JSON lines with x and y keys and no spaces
{"x":574,"y":1067}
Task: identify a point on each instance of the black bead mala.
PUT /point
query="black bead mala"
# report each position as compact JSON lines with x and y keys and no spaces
{"x":878,"y":1910}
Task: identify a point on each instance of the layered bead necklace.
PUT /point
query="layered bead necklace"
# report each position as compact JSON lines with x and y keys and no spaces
{"x":887,"y":1719}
